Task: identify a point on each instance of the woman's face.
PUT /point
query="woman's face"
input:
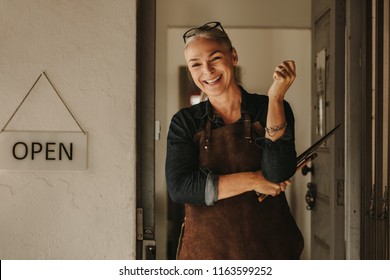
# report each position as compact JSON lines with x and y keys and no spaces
{"x":211,"y":65}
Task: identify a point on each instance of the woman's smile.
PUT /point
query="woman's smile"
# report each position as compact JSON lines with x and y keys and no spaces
{"x":213,"y":81}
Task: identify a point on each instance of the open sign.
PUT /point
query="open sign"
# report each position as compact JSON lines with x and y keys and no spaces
{"x":43,"y":150}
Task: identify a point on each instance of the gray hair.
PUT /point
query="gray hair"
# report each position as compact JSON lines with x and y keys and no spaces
{"x":213,"y":34}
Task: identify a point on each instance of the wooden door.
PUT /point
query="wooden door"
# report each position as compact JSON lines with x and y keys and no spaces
{"x":327,"y":216}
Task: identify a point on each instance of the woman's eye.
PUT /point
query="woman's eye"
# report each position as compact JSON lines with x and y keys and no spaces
{"x":215,"y":58}
{"x":195,"y":65}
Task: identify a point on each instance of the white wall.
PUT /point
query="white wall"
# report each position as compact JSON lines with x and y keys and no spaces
{"x":87,"y":48}
{"x":173,"y":16}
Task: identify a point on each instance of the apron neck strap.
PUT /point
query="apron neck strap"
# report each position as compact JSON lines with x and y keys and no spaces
{"x":247,"y":126}
{"x":208,"y":131}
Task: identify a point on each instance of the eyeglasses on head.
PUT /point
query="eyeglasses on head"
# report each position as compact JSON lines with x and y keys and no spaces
{"x":206,"y":27}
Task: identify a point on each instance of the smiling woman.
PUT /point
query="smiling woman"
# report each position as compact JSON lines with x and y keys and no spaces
{"x":209,"y":53}
{"x":219,"y":158}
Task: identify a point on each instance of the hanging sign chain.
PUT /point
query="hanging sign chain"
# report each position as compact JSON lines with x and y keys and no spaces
{"x":63,"y":102}
{"x":58,"y":95}
{"x":21,"y":103}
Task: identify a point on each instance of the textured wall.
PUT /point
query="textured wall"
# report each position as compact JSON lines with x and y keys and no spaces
{"x":87,"y":48}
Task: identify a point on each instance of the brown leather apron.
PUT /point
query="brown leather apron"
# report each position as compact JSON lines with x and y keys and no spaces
{"x":238,"y":227}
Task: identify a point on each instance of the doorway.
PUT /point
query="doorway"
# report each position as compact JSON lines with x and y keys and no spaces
{"x":183,"y":14}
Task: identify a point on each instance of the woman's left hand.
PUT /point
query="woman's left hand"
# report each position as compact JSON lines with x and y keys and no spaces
{"x":284,"y":75}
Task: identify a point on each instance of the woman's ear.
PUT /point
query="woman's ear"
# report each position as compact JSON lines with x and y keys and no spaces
{"x":234,"y":57}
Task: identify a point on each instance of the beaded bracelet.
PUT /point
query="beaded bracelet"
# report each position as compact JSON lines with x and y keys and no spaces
{"x":271,"y":131}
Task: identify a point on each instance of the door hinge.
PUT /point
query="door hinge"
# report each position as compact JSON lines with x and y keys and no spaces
{"x":148,"y":245}
{"x":385,"y":209}
{"x":371,"y":211}
{"x":340,"y":193}
{"x":140,"y":224}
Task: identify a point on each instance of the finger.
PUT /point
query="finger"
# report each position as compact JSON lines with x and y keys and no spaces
{"x":291,"y":64}
{"x":287,"y":70}
{"x":262,"y":197}
{"x":277,"y":192}
{"x":288,"y":182}
{"x":283,"y":72}
{"x":278,"y":74}
{"x":276,"y":189}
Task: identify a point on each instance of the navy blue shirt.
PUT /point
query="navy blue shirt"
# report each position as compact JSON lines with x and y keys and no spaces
{"x":188,"y":183}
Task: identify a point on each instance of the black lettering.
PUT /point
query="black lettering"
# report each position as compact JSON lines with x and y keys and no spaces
{"x":33,"y":150}
{"x":25,"y":150}
{"x":68,"y":154}
{"x":49,"y":151}
{"x":124,"y":271}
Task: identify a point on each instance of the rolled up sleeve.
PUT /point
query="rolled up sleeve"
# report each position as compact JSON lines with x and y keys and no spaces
{"x":278,"y":162}
{"x":211,"y":191}
{"x":279,"y":158}
{"x":186,"y":182}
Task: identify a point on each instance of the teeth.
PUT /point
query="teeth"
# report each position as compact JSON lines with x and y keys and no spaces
{"x":213,"y":80}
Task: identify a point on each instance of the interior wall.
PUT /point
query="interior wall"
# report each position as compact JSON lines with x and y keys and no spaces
{"x":87,"y":48}
{"x":174,"y":16}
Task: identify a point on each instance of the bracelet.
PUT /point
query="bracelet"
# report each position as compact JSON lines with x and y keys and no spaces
{"x":271,"y":131}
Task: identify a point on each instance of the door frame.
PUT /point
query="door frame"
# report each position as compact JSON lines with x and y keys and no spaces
{"x":375,"y":195}
{"x":145,"y":141}
{"x":355,"y":112}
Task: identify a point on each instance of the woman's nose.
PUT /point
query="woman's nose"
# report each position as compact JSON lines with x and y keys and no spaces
{"x":208,"y":69}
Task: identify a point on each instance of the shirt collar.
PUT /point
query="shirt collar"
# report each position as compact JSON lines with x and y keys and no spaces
{"x":205,"y":108}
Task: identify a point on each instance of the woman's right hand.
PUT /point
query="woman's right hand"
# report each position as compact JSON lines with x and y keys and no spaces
{"x":237,"y":183}
{"x":266,"y":187}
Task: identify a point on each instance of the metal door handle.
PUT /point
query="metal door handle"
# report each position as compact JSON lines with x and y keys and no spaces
{"x":306,"y":170}
{"x":311,"y":195}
